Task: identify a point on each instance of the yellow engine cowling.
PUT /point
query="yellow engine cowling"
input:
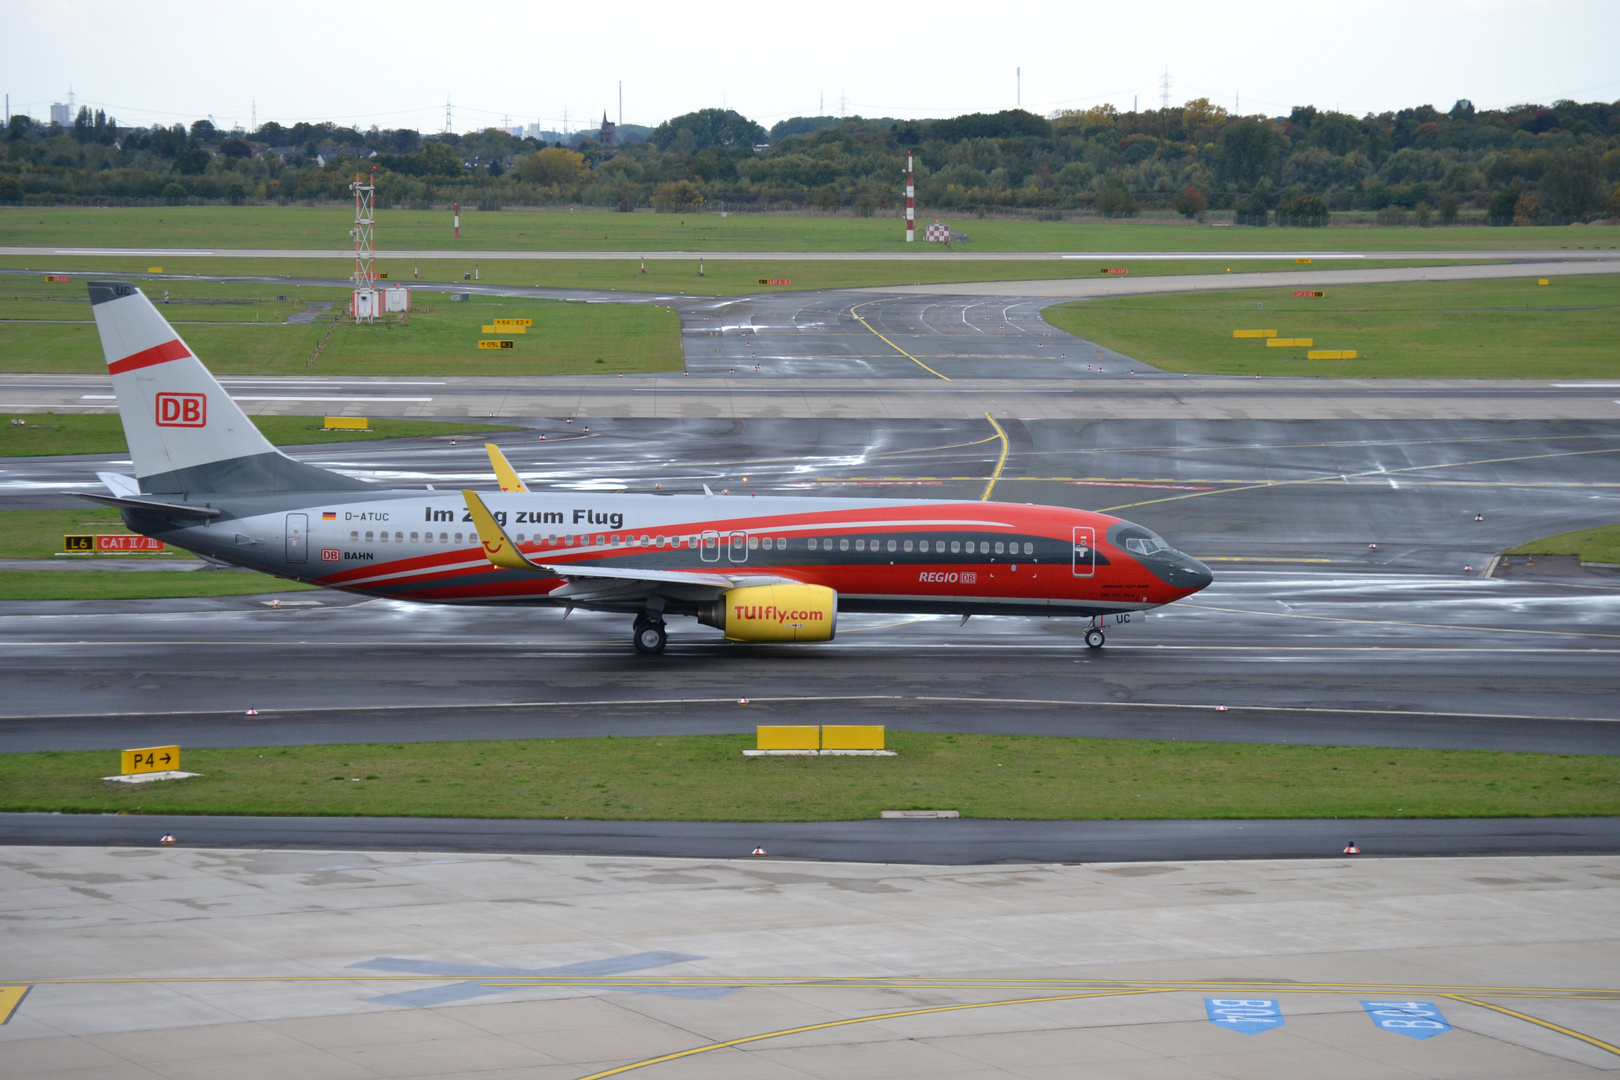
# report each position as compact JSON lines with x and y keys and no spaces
{"x":774,"y":613}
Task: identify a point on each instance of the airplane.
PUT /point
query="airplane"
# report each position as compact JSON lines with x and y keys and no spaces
{"x":759,"y":569}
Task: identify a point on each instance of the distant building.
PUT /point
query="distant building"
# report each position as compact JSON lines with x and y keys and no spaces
{"x":609,"y":135}
{"x":62,"y":115}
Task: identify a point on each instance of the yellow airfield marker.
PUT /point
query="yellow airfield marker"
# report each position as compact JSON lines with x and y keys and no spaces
{"x":10,"y":998}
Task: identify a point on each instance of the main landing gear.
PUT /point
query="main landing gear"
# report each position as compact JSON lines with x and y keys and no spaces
{"x":1094,"y":638}
{"x":650,"y":635}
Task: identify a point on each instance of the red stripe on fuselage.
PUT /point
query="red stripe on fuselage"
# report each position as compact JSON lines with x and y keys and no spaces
{"x":157,"y":354}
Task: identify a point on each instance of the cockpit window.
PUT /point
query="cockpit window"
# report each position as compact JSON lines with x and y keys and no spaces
{"x":1140,"y":546}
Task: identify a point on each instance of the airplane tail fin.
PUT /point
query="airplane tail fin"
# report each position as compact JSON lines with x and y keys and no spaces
{"x":185,"y":433}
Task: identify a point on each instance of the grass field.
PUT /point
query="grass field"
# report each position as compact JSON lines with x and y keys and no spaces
{"x":50,"y":434}
{"x":238,"y":329}
{"x":707,"y":778}
{"x":135,"y":585}
{"x":1592,"y":545}
{"x":597,"y":230}
{"x":1466,"y":330}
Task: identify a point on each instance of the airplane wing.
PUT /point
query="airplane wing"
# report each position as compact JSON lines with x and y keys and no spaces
{"x":504,"y":473}
{"x":589,"y":580}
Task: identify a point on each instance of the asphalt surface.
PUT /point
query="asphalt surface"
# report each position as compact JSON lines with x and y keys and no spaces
{"x":938,"y":843}
{"x":1309,"y":634}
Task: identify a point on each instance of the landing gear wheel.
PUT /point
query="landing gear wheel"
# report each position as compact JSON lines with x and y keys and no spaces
{"x":1094,"y":638}
{"x":650,"y":637}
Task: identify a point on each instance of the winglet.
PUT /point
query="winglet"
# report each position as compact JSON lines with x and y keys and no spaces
{"x":498,"y":547}
{"x":504,"y":473}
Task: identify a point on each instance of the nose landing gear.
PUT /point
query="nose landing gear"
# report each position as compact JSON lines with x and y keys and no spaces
{"x":1094,"y":638}
{"x":650,"y":635}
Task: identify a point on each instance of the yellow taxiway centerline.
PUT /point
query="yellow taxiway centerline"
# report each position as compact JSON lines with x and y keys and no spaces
{"x":891,"y":344}
{"x":1001,"y":463}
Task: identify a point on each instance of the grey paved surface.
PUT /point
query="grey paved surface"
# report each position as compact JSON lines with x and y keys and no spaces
{"x":754,"y":395}
{"x":367,"y":964}
{"x":959,"y":842}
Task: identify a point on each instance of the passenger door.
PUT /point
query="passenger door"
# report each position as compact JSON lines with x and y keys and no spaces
{"x":1085,"y":551}
{"x":297,"y":538}
{"x":709,"y":551}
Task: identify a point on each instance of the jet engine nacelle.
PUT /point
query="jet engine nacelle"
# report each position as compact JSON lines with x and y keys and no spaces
{"x":774,"y":613}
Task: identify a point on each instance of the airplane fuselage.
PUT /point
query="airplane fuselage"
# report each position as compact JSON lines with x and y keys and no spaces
{"x":877,"y":555}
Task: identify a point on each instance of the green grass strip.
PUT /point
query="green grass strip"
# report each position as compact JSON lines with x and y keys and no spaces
{"x":136,"y":584}
{"x":706,"y":778}
{"x":1601,"y":545}
{"x":327,"y":227}
{"x":1509,"y":329}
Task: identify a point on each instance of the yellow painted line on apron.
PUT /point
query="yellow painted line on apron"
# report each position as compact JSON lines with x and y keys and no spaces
{"x":891,"y":344}
{"x":1000,"y":464}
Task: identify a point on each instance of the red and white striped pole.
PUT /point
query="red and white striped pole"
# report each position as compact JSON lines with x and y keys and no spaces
{"x":458,"y":221}
{"x":911,"y":202}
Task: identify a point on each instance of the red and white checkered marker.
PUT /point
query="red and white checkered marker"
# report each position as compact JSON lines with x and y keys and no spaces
{"x":168,"y":838}
{"x":759,"y":851}
{"x":252,"y":712}
{"x":1220,"y":708}
{"x":1351,"y":849}
{"x":937,"y":233}
{"x":742,"y":701}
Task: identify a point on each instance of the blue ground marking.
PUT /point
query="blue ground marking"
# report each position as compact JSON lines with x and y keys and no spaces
{"x":1246,"y":1016}
{"x":461,"y":991}
{"x":1414,"y":1019}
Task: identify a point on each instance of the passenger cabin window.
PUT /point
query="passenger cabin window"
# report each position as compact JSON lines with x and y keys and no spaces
{"x":813,"y":543}
{"x":368,"y":536}
{"x":908,"y":545}
{"x":353,"y":536}
{"x":781,"y":543}
{"x":601,"y":541}
{"x":1029,"y":549}
{"x":843,"y":544}
{"x":999,"y":548}
{"x":860,"y":545}
{"x":458,"y":538}
{"x":444,"y":538}
{"x":753,"y":543}
{"x":956,"y":545}
{"x":413,"y":538}
{"x":891,"y":545}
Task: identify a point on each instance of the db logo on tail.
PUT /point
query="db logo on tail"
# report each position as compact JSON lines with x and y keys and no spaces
{"x":182,"y":410}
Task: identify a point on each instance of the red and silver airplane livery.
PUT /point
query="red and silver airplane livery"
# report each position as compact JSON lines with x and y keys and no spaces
{"x":757,"y":569}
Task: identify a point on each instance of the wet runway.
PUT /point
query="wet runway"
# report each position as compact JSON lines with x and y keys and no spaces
{"x":1309,"y":634}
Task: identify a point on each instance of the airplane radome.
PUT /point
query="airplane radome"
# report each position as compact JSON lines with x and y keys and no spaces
{"x":757,"y":569}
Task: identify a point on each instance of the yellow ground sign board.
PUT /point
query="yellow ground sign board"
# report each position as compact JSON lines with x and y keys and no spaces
{"x":503,"y":323}
{"x":796,"y":737}
{"x":497,"y":328}
{"x":347,"y":423}
{"x":852,"y":736}
{"x":1298,"y":342}
{"x":1254,"y":333}
{"x":495,"y":344}
{"x":150,"y":759}
{"x":1331,"y":354}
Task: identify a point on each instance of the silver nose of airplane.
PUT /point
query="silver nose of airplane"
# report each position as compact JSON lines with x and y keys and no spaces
{"x":1190,"y":574}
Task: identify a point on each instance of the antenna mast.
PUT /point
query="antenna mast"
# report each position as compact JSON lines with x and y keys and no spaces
{"x":365,"y":269}
{"x":1164,"y":87}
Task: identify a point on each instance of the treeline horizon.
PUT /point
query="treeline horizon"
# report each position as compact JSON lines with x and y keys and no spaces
{"x":1528,"y":164}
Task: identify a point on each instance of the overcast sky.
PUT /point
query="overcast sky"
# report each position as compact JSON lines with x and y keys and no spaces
{"x":293,"y":60}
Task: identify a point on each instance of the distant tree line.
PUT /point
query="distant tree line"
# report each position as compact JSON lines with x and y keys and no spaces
{"x":1522,"y":165}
